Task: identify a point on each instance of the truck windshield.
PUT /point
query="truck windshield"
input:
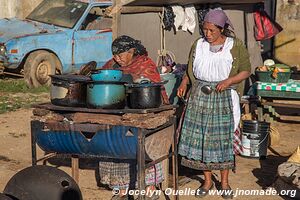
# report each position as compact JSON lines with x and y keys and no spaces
{"x":64,"y":13}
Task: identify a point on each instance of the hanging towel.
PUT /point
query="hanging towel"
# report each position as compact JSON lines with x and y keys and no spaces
{"x":179,"y":17}
{"x":189,"y":19}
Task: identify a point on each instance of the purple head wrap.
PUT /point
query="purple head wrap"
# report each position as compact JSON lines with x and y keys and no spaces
{"x":217,"y":17}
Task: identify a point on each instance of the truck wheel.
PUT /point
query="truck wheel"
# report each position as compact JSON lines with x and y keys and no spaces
{"x":38,"y":66}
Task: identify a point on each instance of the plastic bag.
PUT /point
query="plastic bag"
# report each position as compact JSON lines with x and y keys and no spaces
{"x":265,"y":27}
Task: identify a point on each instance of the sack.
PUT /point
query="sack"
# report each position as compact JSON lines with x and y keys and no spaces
{"x":295,"y":157}
{"x":274,"y":136}
{"x":265,"y":27}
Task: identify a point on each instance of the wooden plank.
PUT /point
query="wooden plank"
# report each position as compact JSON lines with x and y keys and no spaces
{"x":183,"y":2}
{"x":116,"y":19}
{"x":75,"y":168}
{"x":284,"y":105}
{"x":52,"y":107}
{"x":140,"y":9}
{"x":97,"y":118}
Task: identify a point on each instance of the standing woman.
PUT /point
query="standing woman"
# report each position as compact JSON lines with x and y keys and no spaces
{"x":207,"y":137}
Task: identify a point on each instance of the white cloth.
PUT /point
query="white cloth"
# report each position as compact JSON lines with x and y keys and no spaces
{"x":185,"y":18}
{"x":189,"y":19}
{"x":179,"y":16}
{"x":209,"y":66}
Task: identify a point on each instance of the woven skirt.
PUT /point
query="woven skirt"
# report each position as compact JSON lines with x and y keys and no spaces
{"x":206,"y":141}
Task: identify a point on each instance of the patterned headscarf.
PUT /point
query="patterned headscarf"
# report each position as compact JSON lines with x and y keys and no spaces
{"x":124,"y":43}
{"x":218,"y":17}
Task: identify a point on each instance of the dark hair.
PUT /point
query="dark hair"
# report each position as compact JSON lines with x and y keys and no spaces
{"x":124,"y":43}
{"x":226,"y":31}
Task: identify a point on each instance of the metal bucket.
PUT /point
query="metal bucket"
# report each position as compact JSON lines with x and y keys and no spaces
{"x":171,"y":86}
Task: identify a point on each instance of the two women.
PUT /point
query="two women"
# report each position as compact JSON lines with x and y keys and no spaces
{"x":219,"y":62}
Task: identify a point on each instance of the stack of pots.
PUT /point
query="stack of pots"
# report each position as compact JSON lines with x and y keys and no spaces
{"x":106,"y":90}
{"x":255,"y":138}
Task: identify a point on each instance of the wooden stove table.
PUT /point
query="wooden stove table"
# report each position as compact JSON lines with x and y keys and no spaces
{"x":167,"y":130}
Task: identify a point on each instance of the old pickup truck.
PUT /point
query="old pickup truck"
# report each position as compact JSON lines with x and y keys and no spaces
{"x":58,"y":36}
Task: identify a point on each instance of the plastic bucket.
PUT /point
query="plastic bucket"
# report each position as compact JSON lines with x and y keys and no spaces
{"x":255,"y":139}
{"x":171,"y":86}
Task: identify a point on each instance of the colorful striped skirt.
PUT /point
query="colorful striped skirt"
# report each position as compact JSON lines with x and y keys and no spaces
{"x":206,"y":141}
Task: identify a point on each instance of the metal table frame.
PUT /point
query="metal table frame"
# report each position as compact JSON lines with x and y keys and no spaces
{"x":141,"y":162}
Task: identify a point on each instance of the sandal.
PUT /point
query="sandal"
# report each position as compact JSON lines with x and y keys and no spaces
{"x":202,"y":192}
{"x":227,"y":193}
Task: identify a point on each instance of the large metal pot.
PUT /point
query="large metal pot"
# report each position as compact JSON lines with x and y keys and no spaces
{"x":107,"y":75}
{"x":106,"y":94}
{"x":42,"y":182}
{"x":144,"y":95}
{"x":68,"y":90}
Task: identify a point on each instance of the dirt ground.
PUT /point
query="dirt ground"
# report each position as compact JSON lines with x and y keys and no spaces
{"x":252,"y":174}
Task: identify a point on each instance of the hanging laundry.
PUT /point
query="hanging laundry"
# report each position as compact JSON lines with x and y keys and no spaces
{"x":189,"y":21}
{"x":168,"y":18}
{"x":185,"y":18}
{"x":179,"y":17}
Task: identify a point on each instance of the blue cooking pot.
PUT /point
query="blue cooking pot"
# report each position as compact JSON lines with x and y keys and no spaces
{"x":106,"y":94}
{"x":106,"y":75}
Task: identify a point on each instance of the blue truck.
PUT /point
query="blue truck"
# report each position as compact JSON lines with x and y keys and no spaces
{"x":57,"y":37}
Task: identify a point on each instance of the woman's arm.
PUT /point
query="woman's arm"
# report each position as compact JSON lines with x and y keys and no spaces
{"x":181,"y":91}
{"x":223,"y":85}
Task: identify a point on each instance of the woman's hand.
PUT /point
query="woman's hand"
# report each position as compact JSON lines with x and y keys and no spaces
{"x":223,"y":85}
{"x":181,"y":91}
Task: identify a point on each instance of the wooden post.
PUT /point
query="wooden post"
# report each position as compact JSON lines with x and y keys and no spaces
{"x":75,"y":168}
{"x":141,"y":162}
{"x":35,"y":126}
{"x":175,"y":160}
{"x":116,"y":23}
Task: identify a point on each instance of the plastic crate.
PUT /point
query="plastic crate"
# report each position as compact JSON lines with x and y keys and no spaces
{"x":282,"y":77}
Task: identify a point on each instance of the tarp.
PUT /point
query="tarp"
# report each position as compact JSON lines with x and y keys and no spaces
{"x":182,"y":2}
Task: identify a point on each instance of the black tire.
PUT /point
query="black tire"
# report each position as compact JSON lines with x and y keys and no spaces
{"x":38,"y":66}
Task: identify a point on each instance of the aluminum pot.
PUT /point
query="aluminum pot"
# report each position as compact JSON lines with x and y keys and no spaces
{"x":106,"y":94}
{"x":144,"y":95}
{"x":68,"y":90}
{"x":106,"y":75}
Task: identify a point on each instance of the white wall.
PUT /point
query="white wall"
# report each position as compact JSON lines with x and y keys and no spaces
{"x":9,"y":8}
{"x":17,"y":8}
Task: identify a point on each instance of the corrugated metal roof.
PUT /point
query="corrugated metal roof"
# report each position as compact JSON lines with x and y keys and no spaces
{"x":182,"y":2}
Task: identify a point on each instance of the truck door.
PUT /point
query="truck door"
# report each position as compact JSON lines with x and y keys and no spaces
{"x":93,"y":39}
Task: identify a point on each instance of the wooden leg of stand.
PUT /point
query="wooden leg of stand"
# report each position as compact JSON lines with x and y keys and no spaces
{"x":75,"y":168}
{"x":165,"y":183}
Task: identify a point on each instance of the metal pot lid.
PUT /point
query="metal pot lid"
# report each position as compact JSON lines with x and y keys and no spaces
{"x":99,"y":70}
{"x":107,"y":82}
{"x":71,"y":77}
